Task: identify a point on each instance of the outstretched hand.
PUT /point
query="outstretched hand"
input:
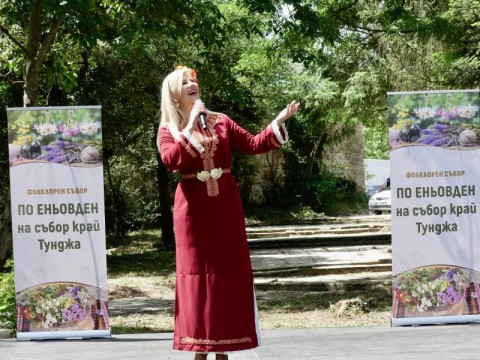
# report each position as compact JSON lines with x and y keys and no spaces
{"x":287,"y":112}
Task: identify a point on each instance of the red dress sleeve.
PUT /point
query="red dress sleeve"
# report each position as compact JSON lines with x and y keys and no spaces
{"x":272,"y":137}
{"x":176,"y":152}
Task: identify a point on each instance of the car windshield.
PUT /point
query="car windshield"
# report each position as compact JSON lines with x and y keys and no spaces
{"x":386,"y":186}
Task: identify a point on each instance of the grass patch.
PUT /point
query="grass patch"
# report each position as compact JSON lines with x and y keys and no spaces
{"x":268,"y":216}
{"x":142,"y":323}
{"x":137,"y":255}
{"x":279,"y":310}
{"x":378,"y":299}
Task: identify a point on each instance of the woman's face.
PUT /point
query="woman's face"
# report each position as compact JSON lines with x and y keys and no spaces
{"x":190,"y":91}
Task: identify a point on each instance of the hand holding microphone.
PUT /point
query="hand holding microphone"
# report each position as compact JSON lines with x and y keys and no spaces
{"x":203,"y":121}
{"x":202,"y":114}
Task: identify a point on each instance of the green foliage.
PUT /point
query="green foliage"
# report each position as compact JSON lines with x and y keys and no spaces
{"x":376,"y":141}
{"x":465,"y":72}
{"x":336,"y":196}
{"x":9,"y":97}
{"x":8,"y":309}
{"x":131,"y":202}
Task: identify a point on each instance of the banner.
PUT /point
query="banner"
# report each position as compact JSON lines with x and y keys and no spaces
{"x":58,"y":222}
{"x":434,"y":176}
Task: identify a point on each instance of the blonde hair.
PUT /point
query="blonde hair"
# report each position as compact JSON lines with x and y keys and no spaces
{"x":172,"y":88}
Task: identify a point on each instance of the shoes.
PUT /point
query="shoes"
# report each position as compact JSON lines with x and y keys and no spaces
{"x":218,"y":356}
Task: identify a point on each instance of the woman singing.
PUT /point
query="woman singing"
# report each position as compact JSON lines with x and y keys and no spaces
{"x":215,"y":306}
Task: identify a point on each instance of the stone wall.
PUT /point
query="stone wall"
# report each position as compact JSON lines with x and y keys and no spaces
{"x":268,"y":165}
{"x":346,"y":160}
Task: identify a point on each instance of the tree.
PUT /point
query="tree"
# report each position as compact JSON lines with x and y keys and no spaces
{"x":57,"y":39}
{"x":327,"y":93}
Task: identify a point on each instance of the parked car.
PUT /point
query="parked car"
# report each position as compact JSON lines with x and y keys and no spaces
{"x":381,"y":202}
{"x":372,"y":189}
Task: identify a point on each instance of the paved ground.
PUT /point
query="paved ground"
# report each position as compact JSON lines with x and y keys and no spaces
{"x":359,"y":343}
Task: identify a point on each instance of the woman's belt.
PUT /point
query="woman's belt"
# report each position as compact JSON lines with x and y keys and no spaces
{"x":205,"y":175}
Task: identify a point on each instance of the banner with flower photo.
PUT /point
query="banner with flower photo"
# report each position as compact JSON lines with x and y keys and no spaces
{"x":58,"y":222}
{"x":434,"y":139}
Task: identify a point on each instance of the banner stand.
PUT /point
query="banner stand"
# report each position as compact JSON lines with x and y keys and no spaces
{"x":51,"y":335}
{"x":58,"y":222}
{"x":435,"y":320}
{"x":434,"y":140}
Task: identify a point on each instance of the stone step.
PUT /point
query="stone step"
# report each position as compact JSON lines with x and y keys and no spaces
{"x":357,"y":219}
{"x":333,"y":282}
{"x":326,"y":256}
{"x":274,"y":259}
{"x":318,"y":227}
{"x":313,"y":232}
{"x":324,"y":270}
{"x":278,"y":242}
{"x":325,"y":220}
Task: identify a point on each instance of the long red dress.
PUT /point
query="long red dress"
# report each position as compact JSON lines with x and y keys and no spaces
{"x":215,"y":307}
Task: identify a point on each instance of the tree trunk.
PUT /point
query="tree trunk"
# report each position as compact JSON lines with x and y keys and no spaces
{"x":317,"y":148}
{"x":36,"y":49}
{"x":119,"y":227}
{"x":32,"y":66}
{"x":83,"y":75}
{"x":273,"y":160}
{"x":30,"y":87}
{"x":166,"y":216}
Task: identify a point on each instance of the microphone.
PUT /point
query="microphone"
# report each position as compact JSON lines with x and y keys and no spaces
{"x":203,"y":117}
{"x":203,"y":121}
